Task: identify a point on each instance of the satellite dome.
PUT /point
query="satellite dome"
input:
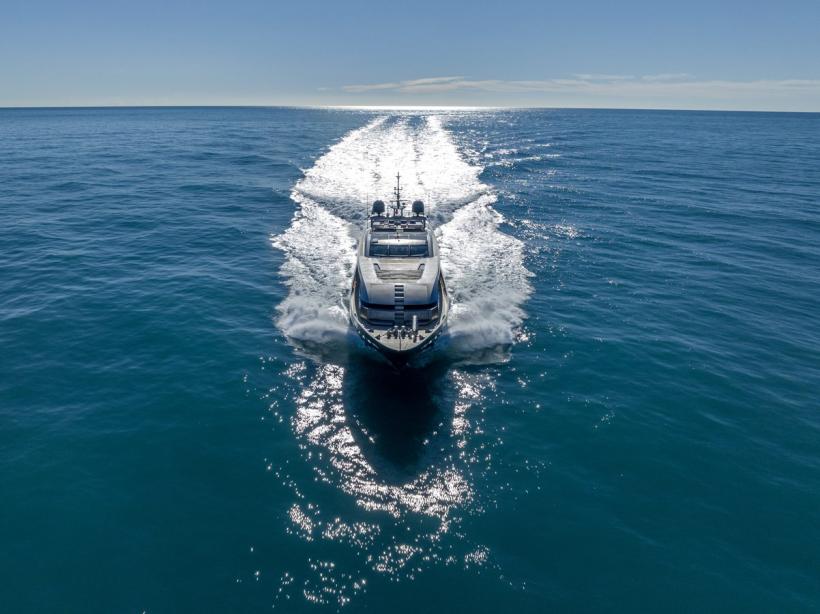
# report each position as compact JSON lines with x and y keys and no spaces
{"x":418,"y":207}
{"x":378,"y":207}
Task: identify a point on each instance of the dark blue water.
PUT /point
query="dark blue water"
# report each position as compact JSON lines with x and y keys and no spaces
{"x":623,"y":417}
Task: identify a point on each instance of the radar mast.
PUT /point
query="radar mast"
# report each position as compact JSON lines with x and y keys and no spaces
{"x":398,"y":203}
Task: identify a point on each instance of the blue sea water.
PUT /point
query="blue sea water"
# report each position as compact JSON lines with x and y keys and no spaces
{"x":623,"y":416}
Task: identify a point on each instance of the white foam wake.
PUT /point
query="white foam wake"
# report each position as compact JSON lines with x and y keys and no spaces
{"x":486,"y":278}
{"x":483,"y":266}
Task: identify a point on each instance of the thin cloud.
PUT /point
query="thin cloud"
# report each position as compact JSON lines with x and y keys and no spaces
{"x":600,"y":77}
{"x":670,"y":76}
{"x":404,"y":85}
{"x":665,"y":85}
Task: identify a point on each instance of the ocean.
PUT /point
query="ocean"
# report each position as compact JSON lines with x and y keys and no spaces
{"x":622,"y":417}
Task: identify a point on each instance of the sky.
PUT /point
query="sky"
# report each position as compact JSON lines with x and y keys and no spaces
{"x":630,"y":54}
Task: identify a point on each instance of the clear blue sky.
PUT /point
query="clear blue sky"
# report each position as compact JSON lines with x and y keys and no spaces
{"x":696,"y":54}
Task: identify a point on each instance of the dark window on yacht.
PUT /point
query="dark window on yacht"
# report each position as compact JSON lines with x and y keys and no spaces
{"x":377,"y":249}
{"x":394,"y":250}
{"x":392,"y":307}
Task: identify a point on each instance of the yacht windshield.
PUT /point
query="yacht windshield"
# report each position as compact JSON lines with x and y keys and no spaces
{"x":398,"y":249}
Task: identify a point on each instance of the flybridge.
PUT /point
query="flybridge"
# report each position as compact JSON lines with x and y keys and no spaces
{"x":392,"y":224}
{"x":395,"y":220}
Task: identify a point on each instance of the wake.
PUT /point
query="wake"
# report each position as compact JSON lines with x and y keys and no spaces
{"x":483,"y":267}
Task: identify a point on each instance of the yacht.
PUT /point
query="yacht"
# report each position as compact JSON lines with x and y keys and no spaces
{"x":398,"y":303}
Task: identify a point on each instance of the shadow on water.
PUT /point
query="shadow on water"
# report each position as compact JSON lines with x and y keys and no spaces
{"x":392,"y":413}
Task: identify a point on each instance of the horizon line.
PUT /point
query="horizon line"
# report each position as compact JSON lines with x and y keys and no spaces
{"x":397,"y":107}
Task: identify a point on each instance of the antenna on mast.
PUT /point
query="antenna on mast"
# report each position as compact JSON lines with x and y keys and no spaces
{"x":399,"y":205}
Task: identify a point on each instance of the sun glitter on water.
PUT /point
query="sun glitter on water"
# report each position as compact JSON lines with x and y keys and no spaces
{"x":402,"y":448}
